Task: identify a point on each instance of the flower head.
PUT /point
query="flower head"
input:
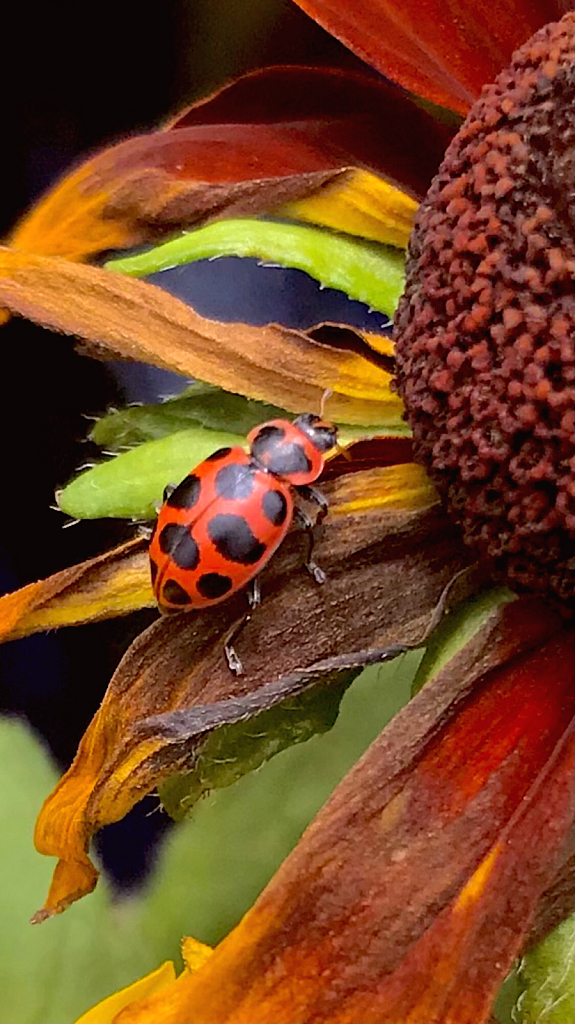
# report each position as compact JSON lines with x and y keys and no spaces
{"x":485,"y":329}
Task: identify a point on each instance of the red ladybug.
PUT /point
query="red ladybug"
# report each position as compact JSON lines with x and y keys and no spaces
{"x":218,"y":528}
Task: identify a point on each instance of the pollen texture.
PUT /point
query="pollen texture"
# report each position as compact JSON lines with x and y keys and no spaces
{"x":485,"y":329}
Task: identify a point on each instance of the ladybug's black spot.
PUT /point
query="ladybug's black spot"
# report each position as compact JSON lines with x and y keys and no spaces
{"x":212,"y":585}
{"x":176,"y":541}
{"x":274,"y":507}
{"x":220,"y":454}
{"x":186,"y":494}
{"x":169,"y":537}
{"x":235,"y":481}
{"x":233,"y":539}
{"x":265,"y":442}
{"x":287,"y":459}
{"x":153,"y":570}
{"x":173,"y":593}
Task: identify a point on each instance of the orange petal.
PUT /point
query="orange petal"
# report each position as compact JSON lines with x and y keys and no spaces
{"x":274,"y":136}
{"x":386,"y":547}
{"x":194,"y":954}
{"x":136,"y":320}
{"x":412,"y":892}
{"x":114,"y":583}
{"x":442,"y":52}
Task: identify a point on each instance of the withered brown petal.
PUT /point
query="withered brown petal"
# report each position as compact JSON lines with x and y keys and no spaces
{"x":388,"y":553}
{"x":137,"y":320}
{"x":274,"y":136}
{"x":114,"y":583}
{"x":442,"y":52}
{"x":412,"y":891}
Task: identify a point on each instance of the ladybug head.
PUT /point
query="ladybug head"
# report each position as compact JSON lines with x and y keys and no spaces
{"x":322,"y":435}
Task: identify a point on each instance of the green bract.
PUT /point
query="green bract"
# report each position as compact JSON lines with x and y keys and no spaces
{"x":199,"y":405}
{"x":366,"y":271}
{"x":131,"y":485}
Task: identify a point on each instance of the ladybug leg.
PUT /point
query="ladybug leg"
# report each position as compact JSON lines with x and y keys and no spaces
{"x":318,"y":498}
{"x":307,"y":524}
{"x":254,"y":596}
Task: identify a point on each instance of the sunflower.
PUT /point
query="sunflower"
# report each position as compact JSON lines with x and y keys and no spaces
{"x":443,"y":853}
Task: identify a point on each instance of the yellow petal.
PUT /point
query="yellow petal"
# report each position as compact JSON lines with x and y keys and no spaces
{"x":151,"y":985}
{"x":359,"y":203}
{"x":194,"y":952}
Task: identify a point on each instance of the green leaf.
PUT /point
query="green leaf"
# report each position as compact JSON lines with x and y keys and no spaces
{"x":131,"y":484}
{"x":54,"y":972}
{"x":199,"y":405}
{"x":234,"y":750}
{"x":217,"y":861}
{"x":366,"y":271}
{"x":547,"y":979}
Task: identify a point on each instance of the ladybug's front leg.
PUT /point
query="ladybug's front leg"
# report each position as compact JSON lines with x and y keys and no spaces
{"x":254,"y":596}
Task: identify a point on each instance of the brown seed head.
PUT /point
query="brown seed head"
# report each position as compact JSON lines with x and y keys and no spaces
{"x":485,"y":329}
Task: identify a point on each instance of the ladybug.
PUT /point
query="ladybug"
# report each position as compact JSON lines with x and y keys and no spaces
{"x":218,"y":528}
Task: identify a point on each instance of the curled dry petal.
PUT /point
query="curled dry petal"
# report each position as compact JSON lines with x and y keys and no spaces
{"x":273,"y":137}
{"x":136,"y":320}
{"x":387,"y":553}
{"x":411,"y":893}
{"x":444,"y":52}
{"x":115,"y":583}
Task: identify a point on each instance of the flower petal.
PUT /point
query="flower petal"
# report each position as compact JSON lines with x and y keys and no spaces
{"x":443,"y":52}
{"x":360,"y":204}
{"x":388,"y":553}
{"x":411,"y":893}
{"x":114,"y":583}
{"x":274,"y":136}
{"x":136,"y":320}
{"x":143,"y":988}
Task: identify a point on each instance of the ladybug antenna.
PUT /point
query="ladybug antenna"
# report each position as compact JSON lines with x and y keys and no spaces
{"x":327,"y":394}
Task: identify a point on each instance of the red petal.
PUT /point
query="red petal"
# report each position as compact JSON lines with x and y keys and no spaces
{"x":274,"y":136}
{"x":411,"y":894}
{"x":443,"y":51}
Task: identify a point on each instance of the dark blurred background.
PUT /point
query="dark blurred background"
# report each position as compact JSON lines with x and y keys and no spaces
{"x":75,"y":81}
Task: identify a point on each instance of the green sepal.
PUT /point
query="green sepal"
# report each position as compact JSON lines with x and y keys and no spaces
{"x":130,"y":485}
{"x":456,"y":630}
{"x":366,"y":271}
{"x":546,"y":978}
{"x":199,"y":405}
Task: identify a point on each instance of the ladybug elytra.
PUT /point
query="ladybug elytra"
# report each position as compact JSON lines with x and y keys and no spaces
{"x":219,"y":527}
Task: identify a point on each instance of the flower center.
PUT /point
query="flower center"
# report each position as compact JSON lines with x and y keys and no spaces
{"x":485,"y":329}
